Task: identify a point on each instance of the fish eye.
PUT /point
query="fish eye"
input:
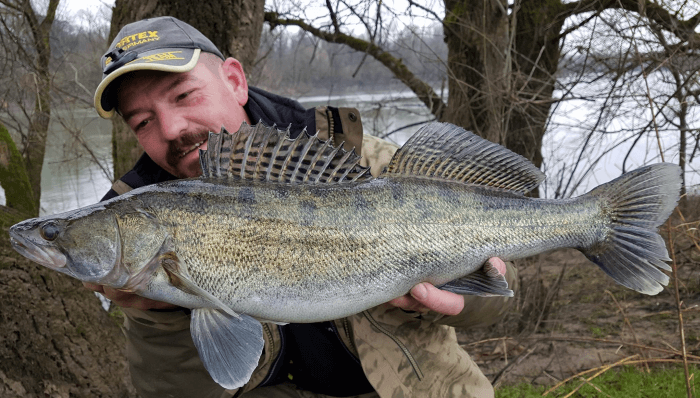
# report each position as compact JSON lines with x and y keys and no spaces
{"x":49,"y":231}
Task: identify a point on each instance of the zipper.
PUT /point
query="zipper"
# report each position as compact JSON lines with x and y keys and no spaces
{"x":402,"y":346}
{"x":342,"y":343}
{"x":346,"y":328}
{"x":277,"y":362}
{"x":331,"y":126}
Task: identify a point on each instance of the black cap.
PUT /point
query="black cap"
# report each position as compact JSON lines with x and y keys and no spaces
{"x":164,"y":43}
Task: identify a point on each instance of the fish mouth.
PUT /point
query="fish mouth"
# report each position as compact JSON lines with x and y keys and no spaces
{"x":47,"y":256}
{"x":186,"y":151}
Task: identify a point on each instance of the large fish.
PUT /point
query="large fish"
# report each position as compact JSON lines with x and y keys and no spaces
{"x":294,"y":230}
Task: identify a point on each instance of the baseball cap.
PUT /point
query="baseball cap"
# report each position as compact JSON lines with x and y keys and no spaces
{"x":164,"y":44}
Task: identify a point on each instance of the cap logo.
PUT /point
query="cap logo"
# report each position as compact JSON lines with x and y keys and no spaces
{"x":138,"y":38}
{"x":164,"y":56}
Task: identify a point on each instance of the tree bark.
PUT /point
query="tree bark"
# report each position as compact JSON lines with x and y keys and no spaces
{"x":35,"y":145}
{"x":535,"y":63}
{"x":502,"y":75}
{"x":234,"y":26}
{"x":477,"y":37}
{"x":13,"y":177}
{"x":126,"y":149}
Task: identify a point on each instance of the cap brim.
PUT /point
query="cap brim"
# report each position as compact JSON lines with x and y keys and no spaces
{"x":176,"y":60}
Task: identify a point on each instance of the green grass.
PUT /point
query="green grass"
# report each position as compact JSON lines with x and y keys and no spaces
{"x":626,"y":382}
{"x":597,"y":332}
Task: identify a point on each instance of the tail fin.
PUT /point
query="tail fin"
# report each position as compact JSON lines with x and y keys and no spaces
{"x":637,"y":203}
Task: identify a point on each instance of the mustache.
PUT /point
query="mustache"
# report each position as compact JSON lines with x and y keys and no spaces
{"x":183,"y":144}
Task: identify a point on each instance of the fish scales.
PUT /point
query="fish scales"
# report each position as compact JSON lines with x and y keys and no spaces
{"x":293,"y":230}
{"x":319,"y":247}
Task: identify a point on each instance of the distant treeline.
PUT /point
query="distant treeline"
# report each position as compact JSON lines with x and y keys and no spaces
{"x":297,"y":64}
{"x":289,"y":63}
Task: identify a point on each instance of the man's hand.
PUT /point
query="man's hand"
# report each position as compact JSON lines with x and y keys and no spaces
{"x":128,"y":300}
{"x":425,"y":297}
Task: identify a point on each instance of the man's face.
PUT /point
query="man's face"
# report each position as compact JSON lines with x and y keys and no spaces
{"x":173,"y":113}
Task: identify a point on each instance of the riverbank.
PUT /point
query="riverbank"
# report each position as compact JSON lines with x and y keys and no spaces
{"x":569,"y":317}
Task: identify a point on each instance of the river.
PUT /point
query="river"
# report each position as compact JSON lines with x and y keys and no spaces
{"x":71,"y":177}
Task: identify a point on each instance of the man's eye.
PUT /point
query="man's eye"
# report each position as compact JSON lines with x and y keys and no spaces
{"x":141,"y":125}
{"x":183,"y":96}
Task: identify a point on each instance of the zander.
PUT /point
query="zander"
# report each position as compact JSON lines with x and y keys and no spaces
{"x":294,"y":230}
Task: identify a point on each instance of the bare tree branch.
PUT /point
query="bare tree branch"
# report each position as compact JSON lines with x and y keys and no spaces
{"x":684,"y":29}
{"x":334,"y":18}
{"x":423,"y":91}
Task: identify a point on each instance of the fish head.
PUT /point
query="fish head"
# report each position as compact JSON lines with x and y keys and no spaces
{"x":84,"y":244}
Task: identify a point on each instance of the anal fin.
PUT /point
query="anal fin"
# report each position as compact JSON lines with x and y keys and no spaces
{"x":486,"y":281}
{"x":229,"y":347}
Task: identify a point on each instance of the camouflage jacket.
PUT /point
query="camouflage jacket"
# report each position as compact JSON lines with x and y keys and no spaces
{"x":402,"y":354}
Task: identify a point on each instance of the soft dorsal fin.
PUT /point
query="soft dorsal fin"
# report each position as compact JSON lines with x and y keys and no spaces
{"x":446,"y":151}
{"x":262,"y":153}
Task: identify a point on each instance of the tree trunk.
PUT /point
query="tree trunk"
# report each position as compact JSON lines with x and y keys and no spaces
{"x":35,"y":144}
{"x":502,"y":72}
{"x":13,"y":177}
{"x":476,"y":33}
{"x":535,"y":63}
{"x":56,"y":340}
{"x":234,"y":26}
{"x":126,"y":149}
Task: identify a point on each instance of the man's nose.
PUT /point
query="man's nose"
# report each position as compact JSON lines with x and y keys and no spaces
{"x":172,"y":125}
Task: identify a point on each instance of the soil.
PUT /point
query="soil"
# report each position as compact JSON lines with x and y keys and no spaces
{"x":569,"y":317}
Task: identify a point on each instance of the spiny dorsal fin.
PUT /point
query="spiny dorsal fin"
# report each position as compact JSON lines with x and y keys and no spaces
{"x":261,"y":153}
{"x":446,"y":151}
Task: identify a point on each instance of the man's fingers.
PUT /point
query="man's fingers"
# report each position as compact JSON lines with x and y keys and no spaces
{"x":407,"y":303}
{"x":127,"y":299}
{"x":498,"y":264}
{"x":118,"y":295}
{"x":131,"y":300}
{"x":426,"y":297}
{"x":93,"y":287}
{"x":437,"y":300}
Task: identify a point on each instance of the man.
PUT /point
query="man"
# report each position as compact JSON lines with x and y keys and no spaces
{"x":172,"y":86}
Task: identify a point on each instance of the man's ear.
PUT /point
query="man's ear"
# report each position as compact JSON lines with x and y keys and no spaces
{"x":233,"y":74}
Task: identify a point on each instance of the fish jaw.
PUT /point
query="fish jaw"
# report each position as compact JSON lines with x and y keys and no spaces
{"x":27,"y":241}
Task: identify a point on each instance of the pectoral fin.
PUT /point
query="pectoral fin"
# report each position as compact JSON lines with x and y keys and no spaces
{"x":229,"y":347}
{"x":486,"y":281}
{"x":181,"y":280}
